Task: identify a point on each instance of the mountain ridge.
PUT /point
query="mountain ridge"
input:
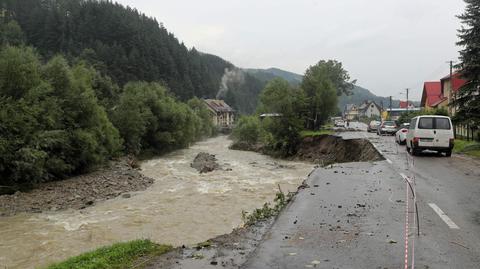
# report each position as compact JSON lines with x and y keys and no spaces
{"x":358,"y":96}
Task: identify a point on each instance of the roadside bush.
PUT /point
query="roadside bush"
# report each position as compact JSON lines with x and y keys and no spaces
{"x":407,"y":117}
{"x":248,"y":130}
{"x":267,"y":211}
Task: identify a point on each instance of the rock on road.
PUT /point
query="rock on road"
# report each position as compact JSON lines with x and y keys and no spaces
{"x":353,"y":215}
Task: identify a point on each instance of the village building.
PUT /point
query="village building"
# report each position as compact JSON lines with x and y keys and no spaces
{"x":223,"y":116}
{"x":350,"y":112}
{"x":369,"y":109}
{"x":432,"y":96}
{"x":406,"y":104}
{"x":449,"y":88}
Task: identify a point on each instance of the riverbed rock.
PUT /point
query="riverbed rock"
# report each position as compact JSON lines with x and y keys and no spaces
{"x":205,"y":162}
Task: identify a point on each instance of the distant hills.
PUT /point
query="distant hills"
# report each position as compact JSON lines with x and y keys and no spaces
{"x":265,"y":75}
{"x":359,"y":94}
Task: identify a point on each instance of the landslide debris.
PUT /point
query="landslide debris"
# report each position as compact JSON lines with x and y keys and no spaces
{"x":205,"y":162}
{"x":328,"y":149}
{"x":118,"y":178}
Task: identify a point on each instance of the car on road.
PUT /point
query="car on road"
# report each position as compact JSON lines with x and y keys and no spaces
{"x":373,"y":126}
{"x":339,"y":123}
{"x":401,"y":134}
{"x":387,"y":127}
{"x":430,"y":132}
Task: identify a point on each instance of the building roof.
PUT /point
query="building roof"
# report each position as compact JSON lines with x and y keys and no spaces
{"x":349,"y":107}
{"x":439,"y":102}
{"x":218,"y":105}
{"x":404,"y":104}
{"x":363,"y":107}
{"x":432,"y":93}
{"x":271,"y":115}
{"x":457,"y":81}
{"x":403,"y":109}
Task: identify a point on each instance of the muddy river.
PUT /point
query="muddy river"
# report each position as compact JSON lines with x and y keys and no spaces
{"x":181,"y":207}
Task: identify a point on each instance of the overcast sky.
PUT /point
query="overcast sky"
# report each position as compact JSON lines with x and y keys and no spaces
{"x":387,"y":45}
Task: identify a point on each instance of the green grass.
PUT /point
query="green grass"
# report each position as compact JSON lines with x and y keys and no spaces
{"x":120,"y":255}
{"x":307,"y":133}
{"x":471,"y":148}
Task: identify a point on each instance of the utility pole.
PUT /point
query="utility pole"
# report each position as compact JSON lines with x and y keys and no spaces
{"x":407,"y":98}
{"x":389,"y":115}
{"x":451,"y":88}
{"x":453,"y":109}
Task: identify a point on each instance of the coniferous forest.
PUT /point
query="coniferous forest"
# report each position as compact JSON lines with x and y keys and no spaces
{"x":83,"y":81}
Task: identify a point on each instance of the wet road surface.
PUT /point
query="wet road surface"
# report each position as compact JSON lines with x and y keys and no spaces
{"x":354,"y":215}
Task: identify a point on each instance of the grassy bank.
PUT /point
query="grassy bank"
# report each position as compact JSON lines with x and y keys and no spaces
{"x":307,"y":133}
{"x":120,"y":255}
{"x":470,"y":148}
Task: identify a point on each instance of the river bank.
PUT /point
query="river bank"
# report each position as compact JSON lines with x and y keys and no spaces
{"x":116,"y":179}
{"x":181,"y":207}
{"x":322,"y":150}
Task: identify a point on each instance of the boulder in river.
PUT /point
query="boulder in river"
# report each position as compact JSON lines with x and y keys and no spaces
{"x":205,"y":162}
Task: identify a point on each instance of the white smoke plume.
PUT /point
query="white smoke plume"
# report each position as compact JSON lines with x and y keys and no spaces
{"x":230,"y":77}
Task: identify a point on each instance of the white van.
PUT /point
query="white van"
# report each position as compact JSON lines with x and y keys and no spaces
{"x":430,"y":132}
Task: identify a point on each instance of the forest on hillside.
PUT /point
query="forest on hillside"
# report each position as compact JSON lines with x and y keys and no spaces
{"x":125,"y":45}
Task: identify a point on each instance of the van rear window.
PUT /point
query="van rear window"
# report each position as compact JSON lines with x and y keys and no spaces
{"x":425,"y":123}
{"x":442,"y":124}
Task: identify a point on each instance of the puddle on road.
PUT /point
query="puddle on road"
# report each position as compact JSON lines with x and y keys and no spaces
{"x":181,"y":207}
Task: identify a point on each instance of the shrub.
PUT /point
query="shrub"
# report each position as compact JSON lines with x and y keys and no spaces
{"x":248,"y":129}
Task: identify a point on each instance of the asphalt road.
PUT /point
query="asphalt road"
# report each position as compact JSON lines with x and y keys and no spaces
{"x":354,"y":215}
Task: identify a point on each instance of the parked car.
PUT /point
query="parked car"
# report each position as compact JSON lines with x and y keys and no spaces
{"x":430,"y":132}
{"x":387,"y":127}
{"x":373,"y":126}
{"x":401,"y":134}
{"x":339,"y":123}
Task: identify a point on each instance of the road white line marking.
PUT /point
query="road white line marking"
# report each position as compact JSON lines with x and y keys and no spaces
{"x":388,"y":161}
{"x":443,"y":216}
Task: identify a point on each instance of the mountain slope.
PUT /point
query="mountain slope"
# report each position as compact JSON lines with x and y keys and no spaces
{"x":126,"y":45}
{"x":266,"y":75}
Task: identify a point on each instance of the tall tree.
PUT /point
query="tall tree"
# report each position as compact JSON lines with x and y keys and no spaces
{"x":322,"y":84}
{"x":468,"y":98}
{"x":281,"y":98}
{"x":11,"y":34}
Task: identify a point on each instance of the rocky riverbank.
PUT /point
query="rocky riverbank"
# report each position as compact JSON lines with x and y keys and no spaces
{"x":117,"y":179}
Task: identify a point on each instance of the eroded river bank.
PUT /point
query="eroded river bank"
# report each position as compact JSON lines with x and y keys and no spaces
{"x":181,"y":207}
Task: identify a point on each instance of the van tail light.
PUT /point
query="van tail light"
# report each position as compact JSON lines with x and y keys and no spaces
{"x":452,"y":142}
{"x":404,"y":131}
{"x":416,"y":140}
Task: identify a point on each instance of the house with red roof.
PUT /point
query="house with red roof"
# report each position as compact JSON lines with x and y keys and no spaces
{"x":405,"y":104}
{"x":432,"y":96}
{"x":449,"y":88}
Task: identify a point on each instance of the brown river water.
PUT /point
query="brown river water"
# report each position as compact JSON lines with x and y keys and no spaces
{"x":181,"y":207}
